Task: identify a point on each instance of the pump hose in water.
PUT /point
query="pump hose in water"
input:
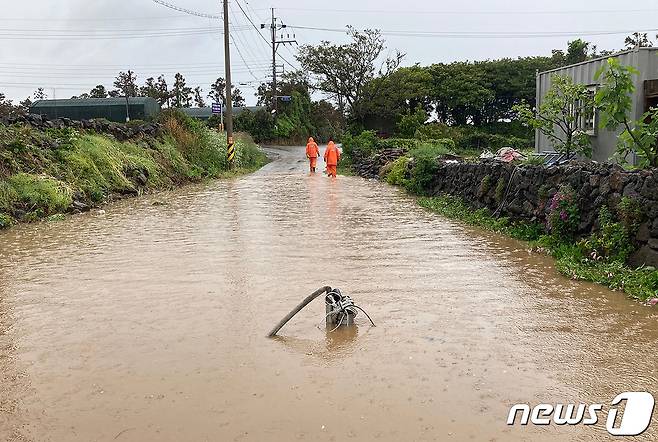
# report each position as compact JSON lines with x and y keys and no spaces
{"x":297,"y":309}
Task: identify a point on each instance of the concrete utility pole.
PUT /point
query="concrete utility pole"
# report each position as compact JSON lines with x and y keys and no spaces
{"x":274,"y":27}
{"x":230,"y":152}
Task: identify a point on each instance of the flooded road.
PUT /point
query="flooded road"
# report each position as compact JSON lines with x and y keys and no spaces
{"x":148,"y":323}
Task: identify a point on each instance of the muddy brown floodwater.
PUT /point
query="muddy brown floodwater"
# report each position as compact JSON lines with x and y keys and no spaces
{"x":148,"y":323}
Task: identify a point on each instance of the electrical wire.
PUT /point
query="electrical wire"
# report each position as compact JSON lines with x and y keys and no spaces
{"x":506,"y":12}
{"x":460,"y":34}
{"x":187,"y":11}
{"x":261,"y":35}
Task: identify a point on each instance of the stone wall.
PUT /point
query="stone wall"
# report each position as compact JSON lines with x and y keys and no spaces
{"x":121,"y":132}
{"x":524,"y":191}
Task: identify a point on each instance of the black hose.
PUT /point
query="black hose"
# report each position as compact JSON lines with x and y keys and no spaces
{"x":364,"y":312}
{"x":297,"y":309}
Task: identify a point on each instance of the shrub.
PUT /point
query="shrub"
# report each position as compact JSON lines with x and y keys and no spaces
{"x":630,"y":213}
{"x":6,"y":221}
{"x":434,"y":131}
{"x":410,"y":123}
{"x":363,"y":144}
{"x":481,"y":140}
{"x":397,"y":173}
{"x":7,"y":196}
{"x":563,"y":214}
{"x":397,"y":143}
{"x":612,"y":242}
{"x":425,"y":166}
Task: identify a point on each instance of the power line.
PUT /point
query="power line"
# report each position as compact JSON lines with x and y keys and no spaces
{"x":237,"y":47}
{"x":258,"y":31}
{"x":506,"y":12}
{"x":187,"y":11}
{"x":54,"y":35}
{"x":473,"y":34}
{"x":120,"y":66}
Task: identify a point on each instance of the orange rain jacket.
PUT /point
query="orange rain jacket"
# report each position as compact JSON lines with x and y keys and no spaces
{"x":331,"y":154}
{"x":312,"y":149}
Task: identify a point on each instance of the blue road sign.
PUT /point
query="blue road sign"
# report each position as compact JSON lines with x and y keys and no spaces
{"x":217,"y":108}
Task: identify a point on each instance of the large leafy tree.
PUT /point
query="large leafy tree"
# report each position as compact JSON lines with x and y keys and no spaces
{"x":343,"y":71}
{"x":397,"y":94}
{"x":614,"y":101}
{"x":460,"y":93}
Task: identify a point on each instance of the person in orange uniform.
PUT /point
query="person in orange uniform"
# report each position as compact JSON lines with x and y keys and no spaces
{"x":312,"y":153}
{"x":331,"y":158}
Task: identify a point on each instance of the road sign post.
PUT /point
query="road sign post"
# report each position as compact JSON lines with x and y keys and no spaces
{"x":217,"y":109}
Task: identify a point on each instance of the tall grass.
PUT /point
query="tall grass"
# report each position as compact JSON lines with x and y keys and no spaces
{"x":37,"y":182}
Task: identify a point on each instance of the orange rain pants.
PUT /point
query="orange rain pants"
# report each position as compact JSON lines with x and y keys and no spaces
{"x":312,"y":153}
{"x":331,"y":157}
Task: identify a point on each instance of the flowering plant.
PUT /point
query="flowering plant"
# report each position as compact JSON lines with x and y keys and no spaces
{"x":563,"y":214}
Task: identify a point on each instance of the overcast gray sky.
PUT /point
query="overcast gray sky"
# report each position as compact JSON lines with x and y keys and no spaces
{"x":68,"y":46}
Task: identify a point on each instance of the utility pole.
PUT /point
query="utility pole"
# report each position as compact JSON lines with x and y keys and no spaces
{"x":274,"y":27}
{"x":230,"y":151}
{"x":274,"y":98}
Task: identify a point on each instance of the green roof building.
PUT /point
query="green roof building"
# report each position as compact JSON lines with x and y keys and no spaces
{"x":204,"y":113}
{"x":112,"y":109}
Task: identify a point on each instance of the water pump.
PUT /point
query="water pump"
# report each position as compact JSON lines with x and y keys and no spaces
{"x":340,"y":310}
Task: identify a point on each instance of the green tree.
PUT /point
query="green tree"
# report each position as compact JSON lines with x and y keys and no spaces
{"x":150,"y":89}
{"x":559,"y":115}
{"x":126,"y":84}
{"x":460,"y":93}
{"x":577,"y":51}
{"x":98,"y":92}
{"x":343,"y":71}
{"x":411,"y":122}
{"x":217,"y":91}
{"x":397,"y":94}
{"x":638,"y":40}
{"x":164,"y":95}
{"x":40,"y":94}
{"x":615,"y":103}
{"x":198,"y":97}
{"x":6,"y":106}
{"x":181,"y":93}
{"x":237,"y":98}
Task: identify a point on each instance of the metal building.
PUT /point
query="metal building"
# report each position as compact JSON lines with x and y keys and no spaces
{"x":604,"y":142}
{"x":112,"y":109}
{"x":204,"y":113}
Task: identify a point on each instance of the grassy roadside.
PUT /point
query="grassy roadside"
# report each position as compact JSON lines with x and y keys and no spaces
{"x":345,"y":166}
{"x":47,"y":173}
{"x":571,"y":260}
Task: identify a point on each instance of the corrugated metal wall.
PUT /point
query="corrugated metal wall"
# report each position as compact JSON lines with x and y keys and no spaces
{"x":604,"y":143}
{"x":110,"y":109}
